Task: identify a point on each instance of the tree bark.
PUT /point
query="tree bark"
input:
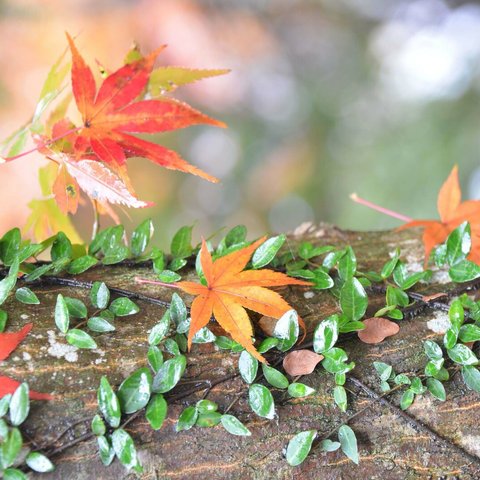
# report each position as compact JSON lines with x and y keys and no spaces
{"x":431,"y":440}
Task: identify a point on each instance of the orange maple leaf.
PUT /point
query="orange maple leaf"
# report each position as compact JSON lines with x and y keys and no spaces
{"x":453,"y":212}
{"x":230,"y":289}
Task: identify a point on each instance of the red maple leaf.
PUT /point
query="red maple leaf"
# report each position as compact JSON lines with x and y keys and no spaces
{"x":112,"y":113}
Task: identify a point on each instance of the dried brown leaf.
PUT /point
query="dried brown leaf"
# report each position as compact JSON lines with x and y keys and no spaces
{"x":301,"y":362}
{"x":377,"y":329}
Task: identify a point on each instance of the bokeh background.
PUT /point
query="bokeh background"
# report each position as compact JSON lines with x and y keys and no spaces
{"x":325,"y":98}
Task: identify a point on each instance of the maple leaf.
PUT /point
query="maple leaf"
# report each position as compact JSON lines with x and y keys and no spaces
{"x":453,"y":212}
{"x":230,"y":290}
{"x":111,"y":114}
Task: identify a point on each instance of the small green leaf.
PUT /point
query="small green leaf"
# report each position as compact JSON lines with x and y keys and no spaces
{"x":4,"y":404}
{"x":125,"y":449}
{"x":155,"y":358}
{"x":388,"y":268}
{"x":76,"y":308}
{"x":471,"y":377}
{"x":81,"y":264}
{"x":108,"y":403}
{"x":25,"y":295}
{"x":274,"y":377}
{"x":348,"y":443}
{"x":407,"y":399}
{"x":99,"y":295}
{"x":458,"y":244}
{"x":80,"y":339}
{"x":105,"y":450}
{"x":462,"y":355}
{"x":10,"y":448}
{"x":19,"y":405}
{"x":340,"y":397}
{"x":298,"y":390}
{"x":464,"y":271}
{"x":266,"y":252}
{"x":181,"y":245}
{"x":123,"y":306}
{"x":141,"y":237}
{"x":402,"y":379}
{"x":436,"y":388}
{"x":134,"y":392}
{"x":39,"y":463}
{"x":469,"y":333}
{"x":98,"y":426}
{"x":204,"y":406}
{"x":234,"y":426}
{"x":432,"y":350}
{"x":209,"y":419}
{"x":261,"y":401}
{"x":204,"y":335}
{"x":7,"y":284}
{"x":156,"y":411}
{"x":267,"y":344}
{"x":160,"y":330}
{"x":248,"y":367}
{"x":347,"y":266}
{"x":61,"y":247}
{"x":187,"y":419}
{"x":100,"y":325}
{"x":14,"y":474}
{"x":169,"y":374}
{"x":178,"y":311}
{"x":353,"y":299}
{"x":329,"y":446}
{"x":167,"y":276}
{"x":326,"y":334}
{"x":299,"y":447}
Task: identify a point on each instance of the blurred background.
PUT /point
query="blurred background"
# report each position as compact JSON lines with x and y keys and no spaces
{"x":325,"y":98}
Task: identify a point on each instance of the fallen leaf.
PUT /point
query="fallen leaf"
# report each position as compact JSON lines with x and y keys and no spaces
{"x":377,"y":329}
{"x":301,"y":362}
{"x":8,"y":385}
{"x":453,"y":212}
{"x":10,"y":340}
{"x":229,"y":290}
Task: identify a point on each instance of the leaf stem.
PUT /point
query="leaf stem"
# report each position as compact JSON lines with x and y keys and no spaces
{"x":44,"y":144}
{"x":380,"y":209}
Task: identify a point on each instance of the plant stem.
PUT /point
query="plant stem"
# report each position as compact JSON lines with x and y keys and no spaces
{"x":380,"y":209}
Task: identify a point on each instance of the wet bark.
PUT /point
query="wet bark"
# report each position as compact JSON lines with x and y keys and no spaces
{"x":432,"y":440}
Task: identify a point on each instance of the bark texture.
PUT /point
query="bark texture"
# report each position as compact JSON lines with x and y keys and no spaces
{"x":433,"y":439}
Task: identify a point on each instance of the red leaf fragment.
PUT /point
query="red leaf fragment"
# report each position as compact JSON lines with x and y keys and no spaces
{"x":10,"y":340}
{"x":8,"y":385}
{"x":301,"y":362}
{"x":377,"y":329}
